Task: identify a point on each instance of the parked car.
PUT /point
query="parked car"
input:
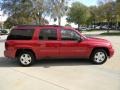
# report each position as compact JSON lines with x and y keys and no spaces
{"x":97,"y":27}
{"x":31,"y":43}
{"x":118,"y":28}
{"x":83,"y":28}
{"x":3,"y":32}
{"x":104,"y":27}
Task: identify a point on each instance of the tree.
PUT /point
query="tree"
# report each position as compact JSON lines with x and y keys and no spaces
{"x":93,"y":15}
{"x":106,"y":11}
{"x":68,"y":25}
{"x":25,"y":9}
{"x":78,"y":14}
{"x":36,"y":9}
{"x":118,"y":1}
{"x":15,"y":20}
{"x":117,"y":11}
{"x":16,"y":10}
{"x":58,"y":9}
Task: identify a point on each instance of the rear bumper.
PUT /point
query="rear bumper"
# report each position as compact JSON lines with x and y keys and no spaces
{"x":9,"y":53}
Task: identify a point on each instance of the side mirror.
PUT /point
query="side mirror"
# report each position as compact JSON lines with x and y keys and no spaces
{"x":79,"y":39}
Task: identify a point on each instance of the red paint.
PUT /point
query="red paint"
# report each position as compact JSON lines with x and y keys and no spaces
{"x":56,"y":48}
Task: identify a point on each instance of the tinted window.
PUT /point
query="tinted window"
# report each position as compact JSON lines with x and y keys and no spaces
{"x":69,"y":35}
{"x":20,"y":34}
{"x":48,"y":34}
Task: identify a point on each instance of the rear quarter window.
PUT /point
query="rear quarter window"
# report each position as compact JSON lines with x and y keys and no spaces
{"x":21,"y":34}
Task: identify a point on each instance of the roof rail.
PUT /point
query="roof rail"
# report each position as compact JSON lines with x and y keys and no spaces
{"x":38,"y":25}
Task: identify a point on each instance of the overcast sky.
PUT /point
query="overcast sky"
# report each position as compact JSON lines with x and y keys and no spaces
{"x":63,"y":22}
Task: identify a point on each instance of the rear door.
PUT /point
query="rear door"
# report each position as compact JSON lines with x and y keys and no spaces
{"x":48,"y":43}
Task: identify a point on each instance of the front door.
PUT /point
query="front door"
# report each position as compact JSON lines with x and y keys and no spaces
{"x":70,"y":47}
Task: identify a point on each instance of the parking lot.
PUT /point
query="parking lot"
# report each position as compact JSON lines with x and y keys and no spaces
{"x":61,"y":74}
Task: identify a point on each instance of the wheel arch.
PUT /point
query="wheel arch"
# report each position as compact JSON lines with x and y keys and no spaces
{"x":23,"y":50}
{"x":103,"y":48}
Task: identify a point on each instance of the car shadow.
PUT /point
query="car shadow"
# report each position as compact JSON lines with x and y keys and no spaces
{"x":46,"y":63}
{"x":6,"y":62}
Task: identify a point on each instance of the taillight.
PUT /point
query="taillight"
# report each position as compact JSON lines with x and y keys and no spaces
{"x":6,"y":45}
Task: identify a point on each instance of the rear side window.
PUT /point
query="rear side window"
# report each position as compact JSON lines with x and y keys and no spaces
{"x":48,"y":34}
{"x":21,"y":34}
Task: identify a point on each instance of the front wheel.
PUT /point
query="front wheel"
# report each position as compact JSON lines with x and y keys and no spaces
{"x":26,"y":58}
{"x":99,"y":56}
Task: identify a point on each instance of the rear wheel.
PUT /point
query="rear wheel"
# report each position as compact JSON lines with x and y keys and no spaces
{"x":26,"y":58}
{"x":99,"y":56}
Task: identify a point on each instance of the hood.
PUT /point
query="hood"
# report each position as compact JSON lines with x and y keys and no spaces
{"x":97,"y":42}
{"x":97,"y":39}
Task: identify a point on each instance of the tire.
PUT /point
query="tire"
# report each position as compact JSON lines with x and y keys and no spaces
{"x":26,"y":58}
{"x":99,"y":56}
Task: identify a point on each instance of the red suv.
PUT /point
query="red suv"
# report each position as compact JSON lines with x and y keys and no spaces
{"x":29,"y":43}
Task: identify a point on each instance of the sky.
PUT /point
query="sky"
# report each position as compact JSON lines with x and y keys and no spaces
{"x":86,"y":2}
{"x":63,"y":21}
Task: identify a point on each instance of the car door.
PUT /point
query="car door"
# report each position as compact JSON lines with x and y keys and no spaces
{"x":48,"y":43}
{"x":70,"y":46}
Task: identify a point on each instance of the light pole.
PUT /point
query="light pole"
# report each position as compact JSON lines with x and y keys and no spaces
{"x":1,"y":21}
{"x":114,"y":14}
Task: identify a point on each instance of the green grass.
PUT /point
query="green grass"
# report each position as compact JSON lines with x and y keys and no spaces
{"x":91,"y":30}
{"x":111,"y":34}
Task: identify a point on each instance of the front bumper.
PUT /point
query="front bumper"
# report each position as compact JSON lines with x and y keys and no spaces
{"x":111,"y":52}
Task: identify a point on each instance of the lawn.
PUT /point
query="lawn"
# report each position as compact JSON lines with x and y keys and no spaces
{"x":111,"y":33}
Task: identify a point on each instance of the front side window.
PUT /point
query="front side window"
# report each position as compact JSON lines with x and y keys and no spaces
{"x":21,"y":34}
{"x":48,"y":34}
{"x":69,"y":35}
